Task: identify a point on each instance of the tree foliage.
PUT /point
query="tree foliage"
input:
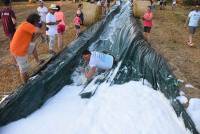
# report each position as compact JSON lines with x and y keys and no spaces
{"x":192,"y":2}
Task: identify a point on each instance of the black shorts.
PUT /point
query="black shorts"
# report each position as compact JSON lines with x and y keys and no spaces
{"x":77,"y":27}
{"x":147,"y":29}
{"x":161,"y":3}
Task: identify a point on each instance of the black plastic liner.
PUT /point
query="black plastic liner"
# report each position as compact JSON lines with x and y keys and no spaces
{"x":128,"y":46}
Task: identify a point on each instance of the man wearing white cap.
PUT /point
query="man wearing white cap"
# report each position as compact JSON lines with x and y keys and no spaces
{"x":51,"y":27}
{"x":42,"y":11}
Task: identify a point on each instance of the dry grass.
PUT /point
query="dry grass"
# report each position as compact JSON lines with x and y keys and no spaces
{"x":169,"y":38}
{"x":10,"y":78}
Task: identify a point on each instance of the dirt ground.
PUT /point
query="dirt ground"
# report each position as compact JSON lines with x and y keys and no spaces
{"x":168,"y":37}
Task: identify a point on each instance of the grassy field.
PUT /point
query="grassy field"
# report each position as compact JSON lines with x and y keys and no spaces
{"x":168,"y":38}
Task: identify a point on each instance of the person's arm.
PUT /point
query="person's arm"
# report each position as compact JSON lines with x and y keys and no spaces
{"x":13,"y":17}
{"x":48,"y":22}
{"x":187,"y":20}
{"x":90,"y":73}
{"x":64,"y":19}
{"x":46,"y":10}
{"x":52,"y":23}
{"x":37,"y":33}
{"x":0,"y":14}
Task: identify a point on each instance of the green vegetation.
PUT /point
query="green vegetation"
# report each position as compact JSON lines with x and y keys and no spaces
{"x":191,"y":2}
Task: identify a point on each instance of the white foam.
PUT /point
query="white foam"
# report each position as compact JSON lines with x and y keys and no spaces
{"x":194,"y":111}
{"x":181,"y":93}
{"x":120,"y":109}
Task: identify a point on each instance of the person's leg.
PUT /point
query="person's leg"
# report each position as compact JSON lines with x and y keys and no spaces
{"x":191,"y":33}
{"x":145,"y":33}
{"x":13,"y":60}
{"x":107,"y":6}
{"x":103,"y":11}
{"x":160,"y":5}
{"x":24,"y":77}
{"x":23,"y":67}
{"x":61,"y":29}
{"x":77,"y":31}
{"x":32,"y":51}
{"x":51,"y":44}
{"x":190,"y":38}
{"x":148,"y":33}
{"x":60,"y":42}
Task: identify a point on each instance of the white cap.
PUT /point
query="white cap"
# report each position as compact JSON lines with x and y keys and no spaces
{"x":53,"y":6}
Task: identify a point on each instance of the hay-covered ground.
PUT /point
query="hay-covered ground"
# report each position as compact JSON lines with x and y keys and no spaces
{"x":168,"y":38}
{"x":10,"y":78}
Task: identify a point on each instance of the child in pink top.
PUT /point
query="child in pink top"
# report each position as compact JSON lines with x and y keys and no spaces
{"x":147,"y":22}
{"x":60,"y":26}
{"x":77,"y":23}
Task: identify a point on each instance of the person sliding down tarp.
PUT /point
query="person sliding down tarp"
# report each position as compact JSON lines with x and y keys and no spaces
{"x":97,"y":61}
{"x":99,"y":64}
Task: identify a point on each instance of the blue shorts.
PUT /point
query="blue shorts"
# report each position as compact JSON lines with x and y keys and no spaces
{"x":192,"y":30}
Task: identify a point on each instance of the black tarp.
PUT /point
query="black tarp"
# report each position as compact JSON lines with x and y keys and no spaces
{"x":119,"y":34}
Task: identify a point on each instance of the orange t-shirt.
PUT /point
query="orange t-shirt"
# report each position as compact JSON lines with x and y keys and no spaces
{"x":21,"y":39}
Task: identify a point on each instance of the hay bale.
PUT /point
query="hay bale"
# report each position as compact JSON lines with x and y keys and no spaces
{"x":139,"y":7}
{"x":92,"y":13}
{"x":32,"y":1}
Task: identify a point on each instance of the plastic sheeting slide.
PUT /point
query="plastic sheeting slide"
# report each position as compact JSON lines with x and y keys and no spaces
{"x":125,"y":43}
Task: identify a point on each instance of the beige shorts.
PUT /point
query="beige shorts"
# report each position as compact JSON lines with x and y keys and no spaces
{"x":22,"y":61}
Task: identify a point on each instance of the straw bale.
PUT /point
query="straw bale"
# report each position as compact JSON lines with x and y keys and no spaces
{"x":139,"y":7}
{"x":92,"y":13}
{"x":32,"y":1}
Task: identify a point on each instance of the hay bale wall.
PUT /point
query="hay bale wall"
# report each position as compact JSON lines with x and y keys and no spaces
{"x":92,"y":13}
{"x":139,"y":7}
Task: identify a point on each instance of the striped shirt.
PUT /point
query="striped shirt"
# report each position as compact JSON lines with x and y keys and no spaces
{"x":6,"y":14}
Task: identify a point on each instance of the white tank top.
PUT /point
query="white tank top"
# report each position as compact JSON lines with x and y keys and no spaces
{"x":101,"y":60}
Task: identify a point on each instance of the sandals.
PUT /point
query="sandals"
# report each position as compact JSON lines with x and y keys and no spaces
{"x":190,"y":44}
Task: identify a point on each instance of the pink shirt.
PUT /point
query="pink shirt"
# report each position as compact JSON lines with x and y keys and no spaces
{"x":77,"y":21}
{"x":148,"y":19}
{"x":60,"y":16}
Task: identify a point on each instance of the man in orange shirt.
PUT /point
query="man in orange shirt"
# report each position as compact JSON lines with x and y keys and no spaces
{"x":22,"y":44}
